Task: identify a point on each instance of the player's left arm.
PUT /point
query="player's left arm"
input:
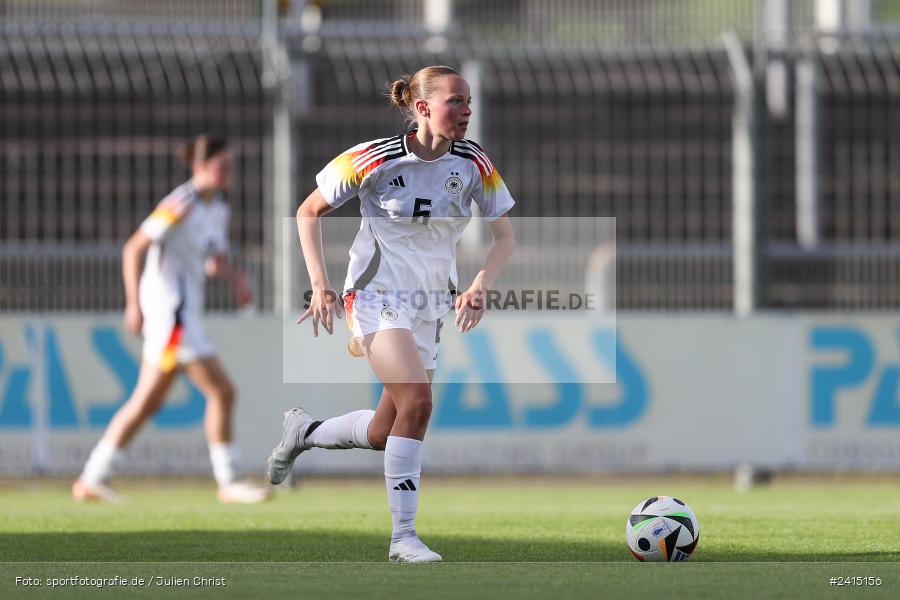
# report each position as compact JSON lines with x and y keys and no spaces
{"x":217,"y":264}
{"x":470,"y":304}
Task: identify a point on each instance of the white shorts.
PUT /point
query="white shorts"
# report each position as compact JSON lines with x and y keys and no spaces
{"x":365,"y":315}
{"x":170,"y":340}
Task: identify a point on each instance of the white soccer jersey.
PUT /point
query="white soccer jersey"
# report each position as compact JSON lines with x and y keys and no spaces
{"x":413,"y":213}
{"x":185,"y":230}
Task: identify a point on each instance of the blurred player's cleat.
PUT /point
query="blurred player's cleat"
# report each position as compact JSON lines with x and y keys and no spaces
{"x":244,"y":492}
{"x":412,"y":550}
{"x":97,"y":492}
{"x":293,"y":432}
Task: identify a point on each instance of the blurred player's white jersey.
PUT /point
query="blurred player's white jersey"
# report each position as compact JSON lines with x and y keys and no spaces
{"x":185,"y":231}
{"x":414,"y":212}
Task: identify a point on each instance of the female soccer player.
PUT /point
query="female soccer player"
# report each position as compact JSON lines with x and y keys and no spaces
{"x":415,"y":192}
{"x":185,"y":238}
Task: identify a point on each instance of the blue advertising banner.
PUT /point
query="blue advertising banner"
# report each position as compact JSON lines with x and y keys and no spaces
{"x":695,"y":392}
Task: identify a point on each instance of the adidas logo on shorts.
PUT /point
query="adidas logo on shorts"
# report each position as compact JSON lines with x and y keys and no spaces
{"x":406,"y":486}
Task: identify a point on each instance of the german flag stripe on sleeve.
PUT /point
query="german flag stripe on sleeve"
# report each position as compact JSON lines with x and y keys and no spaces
{"x":171,"y":210}
{"x":490,"y":178}
{"x":354,"y":165}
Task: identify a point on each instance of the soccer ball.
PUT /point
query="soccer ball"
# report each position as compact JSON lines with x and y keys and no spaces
{"x":662,"y":529}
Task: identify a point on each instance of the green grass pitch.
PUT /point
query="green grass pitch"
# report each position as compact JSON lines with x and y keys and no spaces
{"x":508,"y":537}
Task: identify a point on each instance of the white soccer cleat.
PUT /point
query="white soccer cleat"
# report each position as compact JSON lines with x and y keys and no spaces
{"x":97,"y":492}
{"x":244,"y":492}
{"x":293,"y":431}
{"x":412,"y":550}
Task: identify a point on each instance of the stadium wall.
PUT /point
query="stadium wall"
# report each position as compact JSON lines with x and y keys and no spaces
{"x":788,"y":391}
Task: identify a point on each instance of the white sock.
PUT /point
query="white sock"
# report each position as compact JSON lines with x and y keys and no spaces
{"x":224,"y":457}
{"x":100,"y":463}
{"x":402,"y":468}
{"x":343,"y":432}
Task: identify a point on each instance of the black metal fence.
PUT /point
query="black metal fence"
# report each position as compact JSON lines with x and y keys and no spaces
{"x":91,"y":117}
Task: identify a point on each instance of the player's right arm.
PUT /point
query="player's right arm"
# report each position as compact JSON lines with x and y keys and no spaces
{"x":323,"y":304}
{"x":338,"y":182}
{"x":133,"y":254}
{"x":155,"y":228}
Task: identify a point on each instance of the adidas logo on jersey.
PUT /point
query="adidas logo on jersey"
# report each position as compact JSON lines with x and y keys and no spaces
{"x":406,"y":486}
{"x":397,"y":181}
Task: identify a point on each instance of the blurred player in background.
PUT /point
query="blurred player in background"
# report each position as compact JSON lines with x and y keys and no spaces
{"x":183,"y":240}
{"x":415,"y":192}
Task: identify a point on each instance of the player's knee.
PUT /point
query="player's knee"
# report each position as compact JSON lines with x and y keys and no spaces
{"x":224,"y":394}
{"x":417,"y":407}
{"x":148,"y":407}
{"x":229,"y":394}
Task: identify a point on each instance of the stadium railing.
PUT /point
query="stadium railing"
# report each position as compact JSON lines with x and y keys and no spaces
{"x":91,"y":114}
